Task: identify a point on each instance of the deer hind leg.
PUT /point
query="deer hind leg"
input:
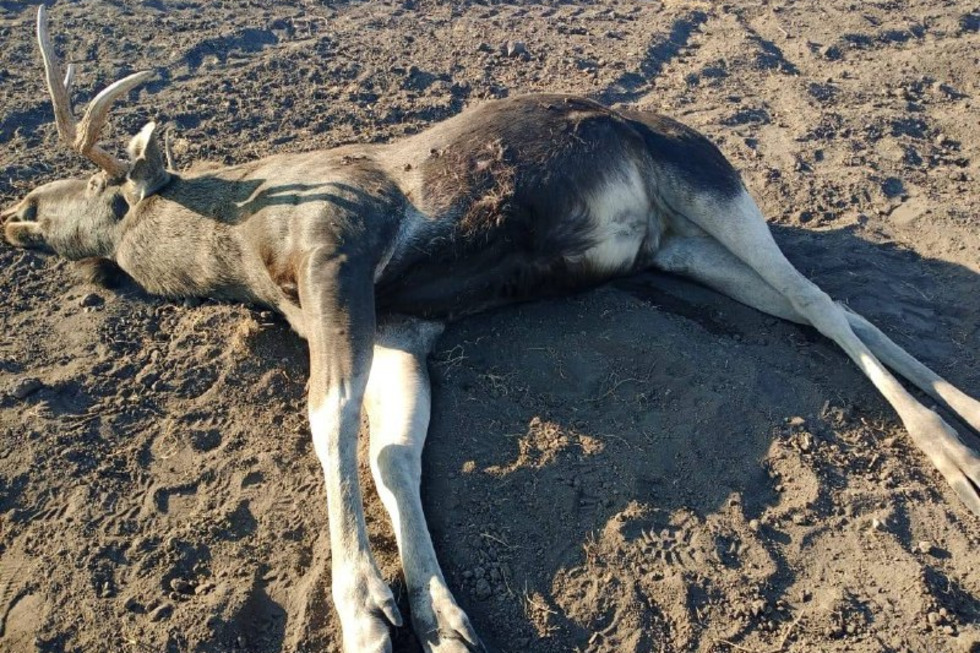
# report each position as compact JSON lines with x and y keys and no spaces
{"x":398,"y":403}
{"x":706,"y":261}
{"x":965,"y":406}
{"x":773,"y":285}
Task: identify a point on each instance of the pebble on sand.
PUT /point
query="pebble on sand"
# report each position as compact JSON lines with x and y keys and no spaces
{"x":26,"y":387}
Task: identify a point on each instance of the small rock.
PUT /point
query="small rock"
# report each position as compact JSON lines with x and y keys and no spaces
{"x":133,"y":605}
{"x":91,"y":300}
{"x":181,"y":585}
{"x":924,"y":547}
{"x":878,"y":524}
{"x":515,"y":48}
{"x":203,"y":588}
{"x":754,"y":525}
{"x":162,"y":612}
{"x":796,"y":421}
{"x":26,"y":387}
{"x":940,"y":140}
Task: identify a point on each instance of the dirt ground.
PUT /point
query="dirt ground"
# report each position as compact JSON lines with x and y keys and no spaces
{"x":645,"y":467}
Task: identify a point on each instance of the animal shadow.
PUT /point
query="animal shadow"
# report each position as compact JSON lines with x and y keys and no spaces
{"x":614,"y":439}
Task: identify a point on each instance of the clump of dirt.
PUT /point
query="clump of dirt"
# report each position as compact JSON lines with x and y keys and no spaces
{"x":644,"y":467}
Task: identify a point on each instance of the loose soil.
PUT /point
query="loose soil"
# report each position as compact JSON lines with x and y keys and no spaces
{"x":645,"y":467}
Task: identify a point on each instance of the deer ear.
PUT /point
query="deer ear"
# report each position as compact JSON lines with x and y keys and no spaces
{"x":148,"y":168}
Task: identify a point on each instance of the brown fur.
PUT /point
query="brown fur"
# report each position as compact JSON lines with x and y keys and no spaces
{"x":100,"y":272}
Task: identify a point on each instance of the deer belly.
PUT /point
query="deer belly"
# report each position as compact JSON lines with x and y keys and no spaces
{"x":487,"y":278}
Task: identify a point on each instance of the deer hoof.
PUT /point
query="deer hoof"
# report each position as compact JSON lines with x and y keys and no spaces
{"x":367,"y":614}
{"x":441,"y":625}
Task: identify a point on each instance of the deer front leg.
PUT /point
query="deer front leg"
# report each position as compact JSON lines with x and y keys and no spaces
{"x":398,"y":401}
{"x":336,"y":294}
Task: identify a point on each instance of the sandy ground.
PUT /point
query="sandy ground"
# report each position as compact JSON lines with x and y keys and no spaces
{"x":646,"y":467}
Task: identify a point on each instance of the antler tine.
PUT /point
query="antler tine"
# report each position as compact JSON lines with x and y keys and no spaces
{"x":53,"y":76}
{"x":82,"y":137}
{"x":97,"y":112}
{"x":167,"y":150}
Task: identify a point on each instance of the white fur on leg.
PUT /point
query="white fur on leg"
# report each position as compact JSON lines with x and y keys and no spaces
{"x":398,"y":403}
{"x":363,"y":600}
{"x":738,"y":225}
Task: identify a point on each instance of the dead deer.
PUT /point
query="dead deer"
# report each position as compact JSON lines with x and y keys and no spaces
{"x":368,"y":249}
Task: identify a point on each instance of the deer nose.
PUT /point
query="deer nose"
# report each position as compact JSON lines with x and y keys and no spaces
{"x":5,"y":217}
{"x":6,"y":232}
{"x":23,"y":234}
{"x":20,"y":212}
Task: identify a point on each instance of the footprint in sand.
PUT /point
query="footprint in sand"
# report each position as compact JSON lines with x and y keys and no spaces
{"x":19,"y":610}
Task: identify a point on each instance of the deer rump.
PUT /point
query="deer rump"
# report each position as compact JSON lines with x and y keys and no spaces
{"x":536,"y":196}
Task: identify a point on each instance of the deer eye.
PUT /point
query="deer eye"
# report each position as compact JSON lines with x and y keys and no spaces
{"x":28,"y":213}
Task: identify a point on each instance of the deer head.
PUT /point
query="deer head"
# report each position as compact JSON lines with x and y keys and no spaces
{"x":80,"y":218}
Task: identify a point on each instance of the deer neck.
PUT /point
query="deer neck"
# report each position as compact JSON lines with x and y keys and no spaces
{"x":173,"y":251}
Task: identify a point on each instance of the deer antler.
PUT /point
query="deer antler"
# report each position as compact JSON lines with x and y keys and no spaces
{"x":83,"y":136}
